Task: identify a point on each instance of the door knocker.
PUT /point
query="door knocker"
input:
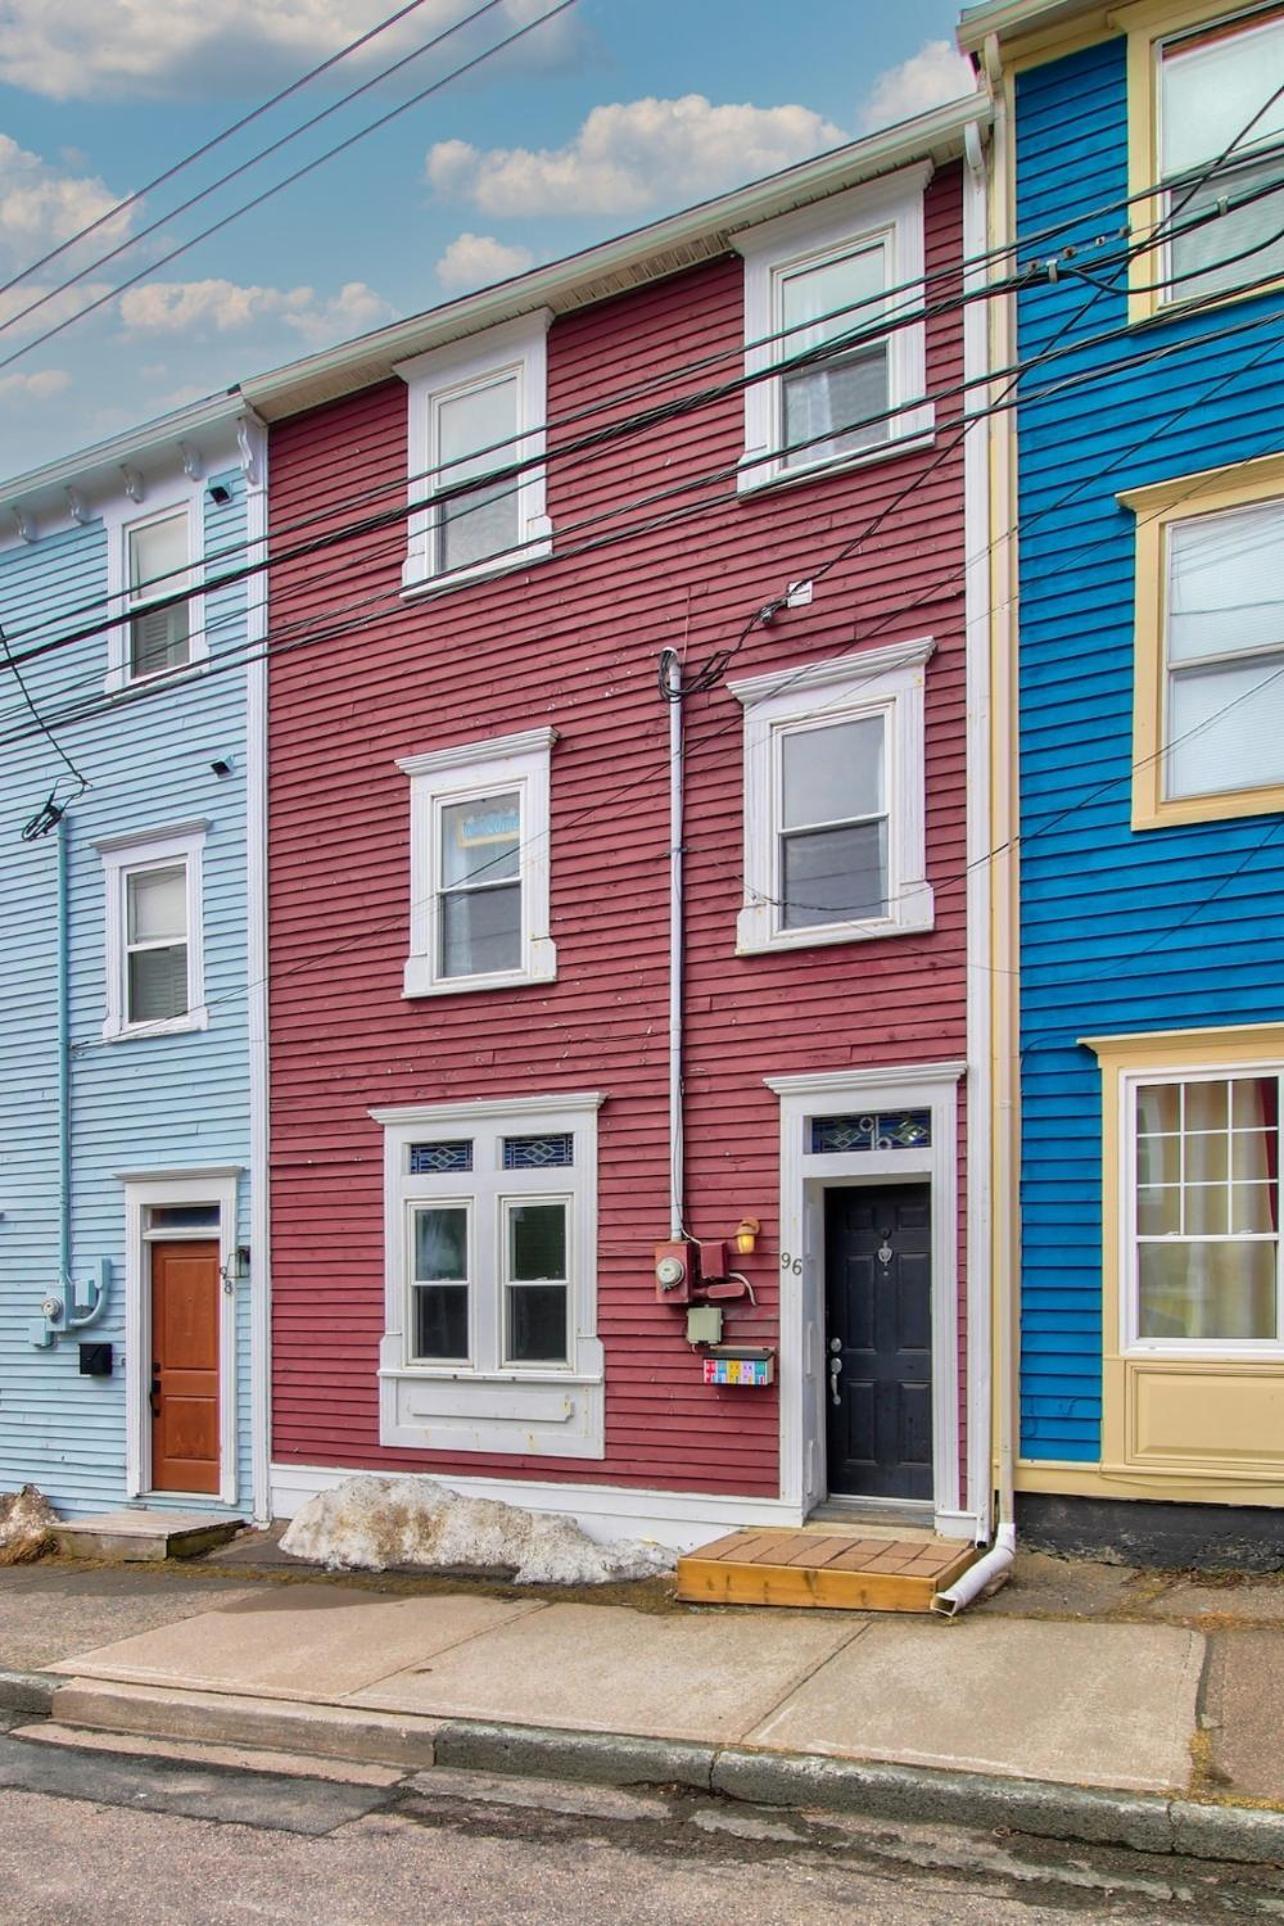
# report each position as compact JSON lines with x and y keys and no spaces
{"x":885,"y":1253}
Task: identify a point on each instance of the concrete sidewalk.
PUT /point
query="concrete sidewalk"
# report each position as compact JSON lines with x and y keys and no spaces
{"x":1109,"y":1718}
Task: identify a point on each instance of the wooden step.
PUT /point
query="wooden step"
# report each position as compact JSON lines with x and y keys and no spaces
{"x":143,"y":1537}
{"x":841,"y":1571}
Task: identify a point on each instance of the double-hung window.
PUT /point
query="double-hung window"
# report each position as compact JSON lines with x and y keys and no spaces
{"x":154,"y":588}
{"x":829,"y":380}
{"x":479,"y":866}
{"x":1204,"y":1230}
{"x":834,"y":801}
{"x":153,"y":948}
{"x":1209,"y":734}
{"x":491,"y":1304}
{"x":476,"y":440}
{"x":1221,"y":157}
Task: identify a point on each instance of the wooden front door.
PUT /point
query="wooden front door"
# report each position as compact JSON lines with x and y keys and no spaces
{"x":184,"y":1380}
{"x":878,"y":1340}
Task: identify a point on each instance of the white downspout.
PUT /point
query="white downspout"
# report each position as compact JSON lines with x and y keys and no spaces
{"x":993,"y":1568}
{"x":671,"y":675}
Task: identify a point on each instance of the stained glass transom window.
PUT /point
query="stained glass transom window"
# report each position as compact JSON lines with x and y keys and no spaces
{"x":539,"y":1153}
{"x":425,"y":1158}
{"x":875,"y":1130}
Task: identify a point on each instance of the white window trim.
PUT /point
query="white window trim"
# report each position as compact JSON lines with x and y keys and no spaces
{"x":119,"y":525}
{"x":518,"y":347}
{"x":1131,"y":1343}
{"x":888,"y":682}
{"x":444,"y":776}
{"x":152,"y":849}
{"x":891,"y":211}
{"x":550,"y":1410}
{"x":144,"y":1189}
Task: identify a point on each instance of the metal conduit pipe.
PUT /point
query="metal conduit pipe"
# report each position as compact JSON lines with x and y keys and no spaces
{"x":671,"y":671}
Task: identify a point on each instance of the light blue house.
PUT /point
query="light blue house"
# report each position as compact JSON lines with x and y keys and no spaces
{"x":1139,"y":637}
{"x":133,"y":1306}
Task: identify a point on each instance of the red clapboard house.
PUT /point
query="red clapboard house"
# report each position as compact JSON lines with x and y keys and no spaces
{"x":503,"y":1254}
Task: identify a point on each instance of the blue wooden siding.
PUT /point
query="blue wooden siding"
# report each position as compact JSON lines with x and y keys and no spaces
{"x":171,"y":1102}
{"x":1167,"y":929}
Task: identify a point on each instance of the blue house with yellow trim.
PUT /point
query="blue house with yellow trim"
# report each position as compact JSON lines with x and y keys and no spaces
{"x":132,"y":1034}
{"x":1139,"y":645}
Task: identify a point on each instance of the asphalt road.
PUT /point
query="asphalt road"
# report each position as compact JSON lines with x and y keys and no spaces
{"x":100,"y":1835}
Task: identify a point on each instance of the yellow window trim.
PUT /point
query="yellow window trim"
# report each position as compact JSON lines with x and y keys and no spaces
{"x":1209,"y":493}
{"x":1146,"y":23}
{"x":1175,"y":1052}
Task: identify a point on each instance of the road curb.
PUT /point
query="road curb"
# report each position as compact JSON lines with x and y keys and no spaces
{"x":27,"y":1692}
{"x":1141,"y":1821}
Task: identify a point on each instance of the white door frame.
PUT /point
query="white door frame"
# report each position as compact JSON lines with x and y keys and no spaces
{"x":217,"y":1188}
{"x":803,"y":1177}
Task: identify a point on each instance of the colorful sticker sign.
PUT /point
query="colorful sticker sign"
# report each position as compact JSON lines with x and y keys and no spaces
{"x":756,"y":1371}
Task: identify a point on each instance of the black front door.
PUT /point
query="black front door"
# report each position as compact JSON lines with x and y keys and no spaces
{"x":878,"y":1340}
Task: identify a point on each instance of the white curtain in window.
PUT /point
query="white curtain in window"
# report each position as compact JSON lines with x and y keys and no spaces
{"x":1213,"y":85}
{"x":819,"y":304}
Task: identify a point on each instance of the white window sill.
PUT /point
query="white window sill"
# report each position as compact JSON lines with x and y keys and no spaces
{"x":760,"y":470}
{"x":756,"y":937}
{"x":417,"y":578}
{"x":120,"y":684}
{"x":116,"y":1032}
{"x":463,"y":1374}
{"x":420,"y":979}
{"x":1209,"y":1351}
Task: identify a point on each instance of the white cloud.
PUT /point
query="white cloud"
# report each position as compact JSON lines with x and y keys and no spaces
{"x":216,"y":306}
{"x":935,"y":74}
{"x":41,"y":205}
{"x":630,"y":156}
{"x":87,"y":49}
{"x":15,"y":301}
{"x":34,"y":387}
{"x":477,"y":260}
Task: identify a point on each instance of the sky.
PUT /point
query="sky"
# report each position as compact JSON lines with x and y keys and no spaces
{"x":603,"y":115}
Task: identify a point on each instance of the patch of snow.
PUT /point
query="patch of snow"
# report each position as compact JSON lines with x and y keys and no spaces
{"x":370,"y":1524}
{"x":27,"y":1521}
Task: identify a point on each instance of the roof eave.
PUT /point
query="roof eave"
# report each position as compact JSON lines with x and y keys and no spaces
{"x":1008,"y":18}
{"x":647,"y":252}
{"x":129,"y":449}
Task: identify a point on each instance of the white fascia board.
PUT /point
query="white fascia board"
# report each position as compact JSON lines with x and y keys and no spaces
{"x":105,"y":458}
{"x":934,"y":136}
{"x":1007,"y":17}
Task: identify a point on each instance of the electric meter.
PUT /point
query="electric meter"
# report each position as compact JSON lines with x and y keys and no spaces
{"x":670,"y":1271}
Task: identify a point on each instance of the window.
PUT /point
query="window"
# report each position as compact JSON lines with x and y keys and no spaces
{"x":158,"y":553}
{"x":1205,"y":1219}
{"x":476,"y":443}
{"x":491,"y":1295}
{"x":834,"y":801}
{"x":812,"y":280}
{"x":153,"y":933}
{"x":1209,"y":709}
{"x":1194,"y":97}
{"x":479,"y":861}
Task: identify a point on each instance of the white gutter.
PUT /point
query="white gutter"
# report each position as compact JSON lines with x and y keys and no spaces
{"x":1008,"y":17}
{"x":135,"y":446}
{"x":256,"y":963}
{"x":671,"y":671}
{"x":994,"y":1567}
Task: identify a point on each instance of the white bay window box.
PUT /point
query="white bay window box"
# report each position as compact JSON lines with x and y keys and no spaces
{"x":490,"y":1340}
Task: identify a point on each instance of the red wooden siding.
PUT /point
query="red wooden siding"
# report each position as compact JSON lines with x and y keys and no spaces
{"x":574,"y":642}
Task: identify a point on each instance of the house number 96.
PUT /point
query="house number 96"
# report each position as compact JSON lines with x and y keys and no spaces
{"x":793,"y":1264}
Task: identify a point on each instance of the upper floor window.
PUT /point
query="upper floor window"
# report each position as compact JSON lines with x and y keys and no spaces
{"x":834,"y":801}
{"x":476,"y":483}
{"x":1204,"y":1237}
{"x":823,"y":283}
{"x":479,"y":861}
{"x":1209,"y":735}
{"x":153,"y":948}
{"x":153,"y":573}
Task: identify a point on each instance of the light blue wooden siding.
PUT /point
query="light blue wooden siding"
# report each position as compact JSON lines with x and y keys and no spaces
{"x":159,"y":1103}
{"x":1171,"y":928}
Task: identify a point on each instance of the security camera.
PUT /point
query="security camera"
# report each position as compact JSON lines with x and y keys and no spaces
{"x":220,"y":494}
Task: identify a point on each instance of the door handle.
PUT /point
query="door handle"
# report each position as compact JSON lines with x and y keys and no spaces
{"x":835,"y":1369}
{"x":154,"y":1390}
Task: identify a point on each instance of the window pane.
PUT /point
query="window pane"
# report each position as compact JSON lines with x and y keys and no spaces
{"x":157,"y":983}
{"x":1226,"y":728}
{"x":1213,"y":1291}
{"x":183,"y":1217}
{"x":479,"y":840}
{"x":441,"y":1321}
{"x":1226,"y":578}
{"x":1159,"y":1210}
{"x":159,"y":640}
{"x":833,"y":774}
{"x":1207,"y":1210}
{"x":817,"y":304}
{"x":1254,"y":1209}
{"x":539,"y":1153}
{"x":1158,"y":1160}
{"x":481,"y":931}
{"x":1158,"y":1108}
{"x":476,"y":435}
{"x":156,"y":555}
{"x":441,"y":1243}
{"x":537,"y":1324}
{"x":1213,"y":85}
{"x":477,"y":524}
{"x":834,"y":875}
{"x":1255,"y":1103}
{"x":536,"y":1241}
{"x":831,"y":410}
{"x":157,"y":904}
